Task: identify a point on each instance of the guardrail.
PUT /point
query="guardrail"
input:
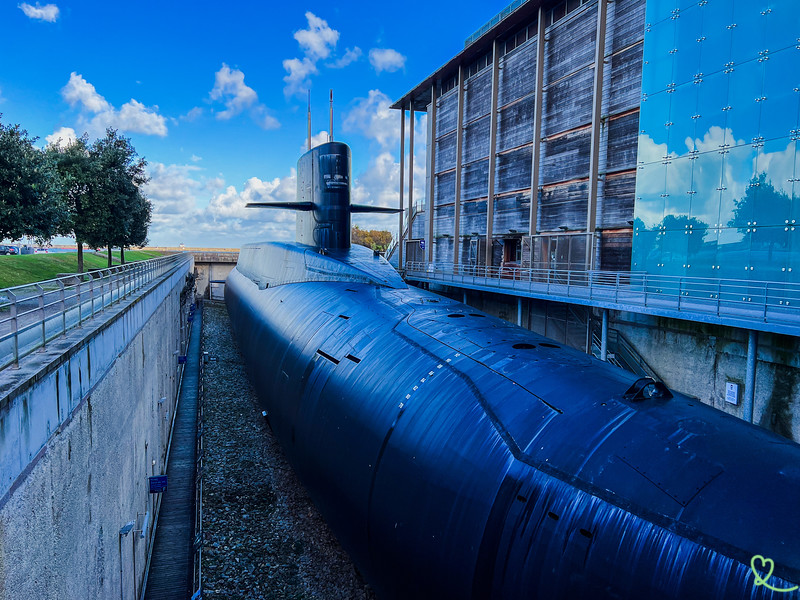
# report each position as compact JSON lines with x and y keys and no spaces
{"x":33,"y":315}
{"x":765,"y":302}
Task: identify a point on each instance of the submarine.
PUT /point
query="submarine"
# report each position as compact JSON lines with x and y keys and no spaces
{"x":455,"y":455}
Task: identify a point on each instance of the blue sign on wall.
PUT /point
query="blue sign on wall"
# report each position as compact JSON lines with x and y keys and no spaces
{"x":422,"y":244}
{"x":158,"y":484}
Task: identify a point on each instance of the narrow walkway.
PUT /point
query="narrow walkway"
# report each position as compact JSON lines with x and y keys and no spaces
{"x":170,"y":574}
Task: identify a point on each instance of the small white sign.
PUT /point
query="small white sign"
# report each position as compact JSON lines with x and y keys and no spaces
{"x":732,"y":392}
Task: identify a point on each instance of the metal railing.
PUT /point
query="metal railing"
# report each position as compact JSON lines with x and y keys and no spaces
{"x":621,"y":353}
{"x":740,"y":300}
{"x":33,"y":315}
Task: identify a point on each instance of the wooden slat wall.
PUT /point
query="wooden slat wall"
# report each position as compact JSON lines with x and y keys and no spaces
{"x":566,"y":129}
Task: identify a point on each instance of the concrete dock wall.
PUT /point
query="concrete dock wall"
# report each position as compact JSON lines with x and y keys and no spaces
{"x":82,"y":426}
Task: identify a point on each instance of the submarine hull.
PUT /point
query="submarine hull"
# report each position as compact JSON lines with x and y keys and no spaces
{"x":457,"y":456}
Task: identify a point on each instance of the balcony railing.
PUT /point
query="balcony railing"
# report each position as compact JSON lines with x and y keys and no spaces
{"x":725,"y":300}
{"x":33,"y":315}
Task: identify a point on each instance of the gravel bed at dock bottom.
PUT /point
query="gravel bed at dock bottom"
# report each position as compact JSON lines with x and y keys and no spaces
{"x":263,"y":537}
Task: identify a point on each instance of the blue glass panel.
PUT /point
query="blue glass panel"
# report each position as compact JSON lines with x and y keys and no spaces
{"x":688,"y":30}
{"x":769,"y":253}
{"x":781,"y":105}
{"x":783,"y":24}
{"x":795,"y":212}
{"x":679,"y":181}
{"x":733,"y":254}
{"x":712,"y":99}
{"x":737,"y":173}
{"x":653,"y":120}
{"x":674,"y":248}
{"x":793,"y":263}
{"x":650,"y":190}
{"x":645,"y":254}
{"x":706,"y":179}
{"x":684,"y":4}
{"x":715,"y":50}
{"x":775,"y":165}
{"x":659,"y":41}
{"x":683,"y":107}
{"x":700,"y":254}
{"x":744,"y":100}
{"x":748,"y":36}
{"x":658,"y":10}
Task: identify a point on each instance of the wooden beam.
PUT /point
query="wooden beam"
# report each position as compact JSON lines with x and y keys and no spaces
{"x":536,"y":150}
{"x":597,"y":105}
{"x":459,"y":143}
{"x":492,"y":151}
{"x":402,"y":177}
{"x":431,"y":173}
{"x":410,"y":173}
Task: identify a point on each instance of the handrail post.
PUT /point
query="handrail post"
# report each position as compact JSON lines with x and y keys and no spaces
{"x":80,"y":307}
{"x":16,"y":328}
{"x":63,"y":308}
{"x":91,"y":291}
{"x":41,"y":310}
{"x":719,"y":295}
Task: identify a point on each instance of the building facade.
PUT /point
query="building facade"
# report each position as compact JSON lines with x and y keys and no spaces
{"x":628,"y":162}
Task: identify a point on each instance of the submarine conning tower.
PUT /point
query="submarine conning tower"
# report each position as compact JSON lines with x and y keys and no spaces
{"x":323,"y":198}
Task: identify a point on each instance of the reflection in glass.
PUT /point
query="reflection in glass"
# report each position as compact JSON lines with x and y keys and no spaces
{"x":659,"y":40}
{"x":687,"y":45}
{"x":715,"y":51}
{"x":744,"y":102}
{"x":748,"y":35}
{"x":779,"y":112}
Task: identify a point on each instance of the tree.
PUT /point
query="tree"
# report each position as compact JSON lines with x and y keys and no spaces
{"x":30,"y":193}
{"x":78,"y":173}
{"x":762,"y":205}
{"x":123,"y":209}
{"x":373,"y":239}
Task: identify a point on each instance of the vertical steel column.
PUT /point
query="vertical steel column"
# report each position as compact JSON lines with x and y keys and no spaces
{"x":459,"y":142}
{"x":537,"y":128}
{"x":465,"y":298}
{"x":431,"y":172}
{"x":604,"y":336}
{"x":597,"y":105}
{"x":519,"y":312}
{"x":402,"y":182}
{"x":492,"y":150}
{"x":410,"y":168}
{"x":750,"y":376}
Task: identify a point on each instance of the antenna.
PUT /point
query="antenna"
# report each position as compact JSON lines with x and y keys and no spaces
{"x":330,"y":135}
{"x":309,"y":119}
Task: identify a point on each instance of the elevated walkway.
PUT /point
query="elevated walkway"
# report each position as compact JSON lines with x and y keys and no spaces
{"x":170,"y":571}
{"x":753,"y":305}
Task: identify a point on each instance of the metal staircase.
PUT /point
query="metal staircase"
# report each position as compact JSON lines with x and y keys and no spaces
{"x":621,"y":353}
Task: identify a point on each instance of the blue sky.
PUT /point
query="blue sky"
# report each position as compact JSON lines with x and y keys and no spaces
{"x":213,"y":95}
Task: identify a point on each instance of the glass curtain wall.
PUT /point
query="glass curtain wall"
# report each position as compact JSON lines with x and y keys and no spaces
{"x":718,"y":178}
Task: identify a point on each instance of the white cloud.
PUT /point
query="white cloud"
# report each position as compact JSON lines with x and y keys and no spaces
{"x":318,"y":40}
{"x":229,"y":87}
{"x":178,"y":193}
{"x":192,"y":115}
{"x":79,"y":92}
{"x":48,"y":12}
{"x":196,"y":158}
{"x":351,"y":55}
{"x":298,"y":75}
{"x":386,"y":59}
{"x":62,"y":137}
{"x":133,"y":116}
{"x":372,"y":117}
{"x":269,"y":122}
{"x":316,"y":140}
{"x":172,"y":190}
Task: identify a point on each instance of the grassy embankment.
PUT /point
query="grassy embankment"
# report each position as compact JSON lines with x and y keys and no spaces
{"x":28,"y":268}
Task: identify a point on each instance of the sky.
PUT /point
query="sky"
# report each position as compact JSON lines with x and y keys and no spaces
{"x":214,"y":96}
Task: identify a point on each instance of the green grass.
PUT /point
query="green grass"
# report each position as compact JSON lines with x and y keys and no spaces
{"x":29,"y":268}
